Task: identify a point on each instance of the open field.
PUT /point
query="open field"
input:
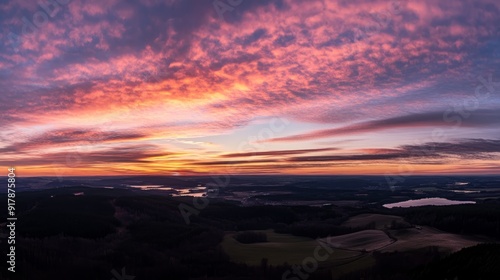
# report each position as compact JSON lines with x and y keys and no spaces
{"x":279,"y":249}
{"x":381,"y":221}
{"x":365,"y":240}
{"x":412,"y":238}
{"x":351,"y":251}
{"x":406,"y":239}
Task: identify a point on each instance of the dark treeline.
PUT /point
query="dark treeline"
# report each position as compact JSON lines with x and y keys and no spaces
{"x":479,"y":262}
{"x":482,"y":218}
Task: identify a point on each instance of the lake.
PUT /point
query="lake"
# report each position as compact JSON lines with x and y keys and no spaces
{"x":434,"y":201}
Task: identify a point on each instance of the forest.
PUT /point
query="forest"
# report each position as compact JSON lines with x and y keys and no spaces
{"x":63,"y":236}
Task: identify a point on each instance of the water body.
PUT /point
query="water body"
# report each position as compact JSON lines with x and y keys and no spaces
{"x":196,"y":191}
{"x":434,"y":201}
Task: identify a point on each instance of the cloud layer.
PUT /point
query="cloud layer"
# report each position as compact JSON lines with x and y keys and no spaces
{"x":181,"y":85}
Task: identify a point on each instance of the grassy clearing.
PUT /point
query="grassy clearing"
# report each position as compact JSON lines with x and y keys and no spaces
{"x":348,"y":254}
{"x":279,"y":249}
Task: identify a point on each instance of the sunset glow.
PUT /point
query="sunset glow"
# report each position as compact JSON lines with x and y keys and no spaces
{"x":266,"y":87}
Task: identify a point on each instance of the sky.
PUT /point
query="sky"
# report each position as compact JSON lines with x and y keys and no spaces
{"x":200,"y":87}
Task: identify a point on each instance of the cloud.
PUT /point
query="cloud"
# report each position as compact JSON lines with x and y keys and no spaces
{"x":61,"y":137}
{"x":233,"y":162}
{"x":131,"y":154}
{"x":433,"y":153}
{"x":470,"y":148}
{"x":276,"y":153}
{"x":166,"y":70}
{"x":446,"y":118}
{"x":349,"y":157}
